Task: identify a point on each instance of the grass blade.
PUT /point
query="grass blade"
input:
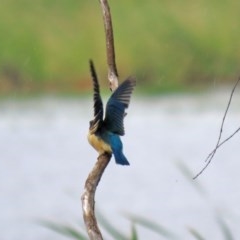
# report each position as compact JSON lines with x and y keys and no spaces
{"x":153,"y":226}
{"x":64,"y":230}
{"x":134,"y":235}
{"x":225,"y":229}
{"x":196,"y":234}
{"x":111,"y":229}
{"x":189,"y":176}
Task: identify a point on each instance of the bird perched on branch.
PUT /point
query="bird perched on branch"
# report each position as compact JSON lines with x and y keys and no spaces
{"x":104,"y":133}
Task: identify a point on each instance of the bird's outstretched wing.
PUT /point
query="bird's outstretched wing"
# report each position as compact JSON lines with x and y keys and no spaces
{"x":98,"y":105}
{"x":116,"y":105}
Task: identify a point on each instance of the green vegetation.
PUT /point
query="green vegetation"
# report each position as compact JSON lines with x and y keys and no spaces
{"x":79,"y":233}
{"x":169,"y":45}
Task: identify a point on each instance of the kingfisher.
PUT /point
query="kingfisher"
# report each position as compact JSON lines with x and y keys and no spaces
{"x":104,"y":134}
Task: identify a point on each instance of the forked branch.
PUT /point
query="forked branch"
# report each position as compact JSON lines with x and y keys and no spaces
{"x":219,"y":143}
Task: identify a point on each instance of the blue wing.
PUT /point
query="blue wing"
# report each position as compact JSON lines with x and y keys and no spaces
{"x":98,"y":105}
{"x":116,"y":105}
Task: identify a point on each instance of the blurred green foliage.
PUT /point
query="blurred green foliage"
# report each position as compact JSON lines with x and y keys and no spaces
{"x":78,"y":233}
{"x":168,"y":45}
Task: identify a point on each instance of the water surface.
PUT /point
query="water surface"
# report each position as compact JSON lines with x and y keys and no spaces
{"x":45,"y":159}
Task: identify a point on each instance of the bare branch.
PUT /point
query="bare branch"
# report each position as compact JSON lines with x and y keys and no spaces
{"x":112,"y":68}
{"x":223,"y":121}
{"x":211,"y":155}
{"x":88,"y":202}
{"x":219,"y":144}
{"x":88,"y":196}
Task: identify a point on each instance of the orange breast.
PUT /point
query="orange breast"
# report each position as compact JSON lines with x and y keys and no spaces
{"x":99,"y":144}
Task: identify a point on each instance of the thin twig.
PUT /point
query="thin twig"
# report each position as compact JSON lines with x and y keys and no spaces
{"x":223,"y":121}
{"x":214,"y":151}
{"x":228,"y":137}
{"x":212,"y":154}
{"x":112,"y":68}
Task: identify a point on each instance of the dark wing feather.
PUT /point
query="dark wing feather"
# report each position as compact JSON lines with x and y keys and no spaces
{"x":98,"y":105}
{"x":116,"y":105}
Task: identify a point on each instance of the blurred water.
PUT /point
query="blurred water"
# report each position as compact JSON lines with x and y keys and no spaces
{"x":45,"y":159}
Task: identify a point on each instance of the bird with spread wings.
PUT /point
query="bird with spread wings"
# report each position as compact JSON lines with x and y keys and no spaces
{"x":104,"y":134}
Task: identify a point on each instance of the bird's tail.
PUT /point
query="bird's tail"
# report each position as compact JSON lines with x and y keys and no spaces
{"x":117,"y":148}
{"x":120,"y":158}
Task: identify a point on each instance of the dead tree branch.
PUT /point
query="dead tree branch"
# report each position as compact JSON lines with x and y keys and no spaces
{"x":219,"y":143}
{"x":88,"y":196}
{"x":112,"y":68}
{"x":88,"y":202}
